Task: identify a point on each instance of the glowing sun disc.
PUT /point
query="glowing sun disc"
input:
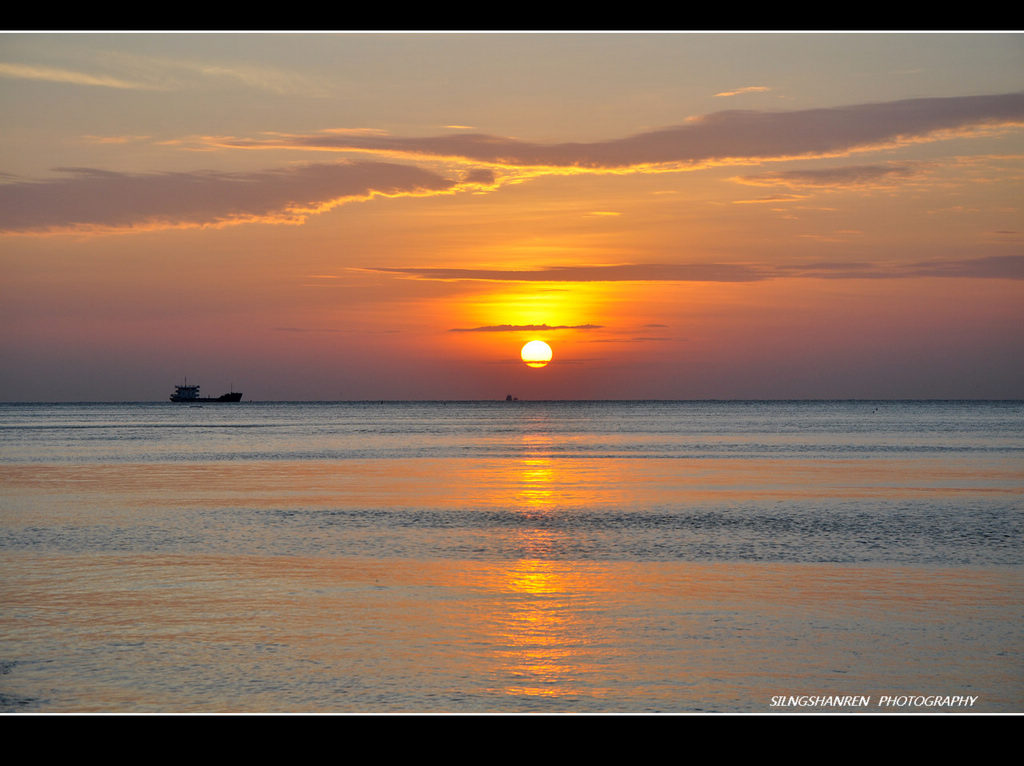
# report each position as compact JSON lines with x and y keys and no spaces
{"x":536,"y":353}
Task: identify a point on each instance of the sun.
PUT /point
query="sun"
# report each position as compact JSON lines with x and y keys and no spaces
{"x":536,"y":353}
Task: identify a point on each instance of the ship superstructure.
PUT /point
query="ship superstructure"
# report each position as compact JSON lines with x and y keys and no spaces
{"x":187,"y":393}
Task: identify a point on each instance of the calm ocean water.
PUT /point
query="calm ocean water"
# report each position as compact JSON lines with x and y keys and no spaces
{"x":671,"y":557}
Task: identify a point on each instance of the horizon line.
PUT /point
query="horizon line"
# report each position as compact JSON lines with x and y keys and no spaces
{"x":533,"y":401}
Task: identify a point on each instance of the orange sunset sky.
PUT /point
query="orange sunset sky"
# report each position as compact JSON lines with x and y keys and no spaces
{"x":392,"y":216}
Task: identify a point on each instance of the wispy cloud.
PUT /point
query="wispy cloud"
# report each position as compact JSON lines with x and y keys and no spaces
{"x":253,"y":76}
{"x":741,"y":91}
{"x":116,"y":139}
{"x":356,"y":131}
{"x":841,"y":177}
{"x":774,"y":199}
{"x":733,"y":136}
{"x":631,"y":340}
{"x":110,"y":69}
{"x":985,"y":267}
{"x":72,"y":77}
{"x":90,"y":199}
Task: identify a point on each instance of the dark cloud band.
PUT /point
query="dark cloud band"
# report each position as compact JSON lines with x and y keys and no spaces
{"x":734,"y":135}
{"x":526,"y":327}
{"x":89,"y":198}
{"x":988,"y":267}
{"x":629,"y":272}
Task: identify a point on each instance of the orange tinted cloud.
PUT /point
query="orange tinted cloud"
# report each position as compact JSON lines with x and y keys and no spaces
{"x":740,"y":91}
{"x":89,"y":199}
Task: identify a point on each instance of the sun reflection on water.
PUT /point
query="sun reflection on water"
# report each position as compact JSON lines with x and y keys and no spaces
{"x":544,"y":641}
{"x":535,"y":474}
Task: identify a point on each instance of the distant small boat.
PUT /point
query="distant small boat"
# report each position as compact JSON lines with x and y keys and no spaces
{"x":191,"y":395}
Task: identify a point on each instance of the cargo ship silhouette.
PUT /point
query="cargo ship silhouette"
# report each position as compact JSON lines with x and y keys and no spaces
{"x":187,"y":393}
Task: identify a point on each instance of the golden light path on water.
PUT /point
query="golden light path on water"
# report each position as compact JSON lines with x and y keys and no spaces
{"x":542,"y":630}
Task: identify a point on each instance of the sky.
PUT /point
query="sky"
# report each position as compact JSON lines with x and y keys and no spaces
{"x":356,"y":216}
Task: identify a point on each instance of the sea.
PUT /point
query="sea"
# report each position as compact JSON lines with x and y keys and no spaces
{"x":513,"y":557}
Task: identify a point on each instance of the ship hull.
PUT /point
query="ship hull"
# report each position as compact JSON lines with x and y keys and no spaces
{"x":232,"y":397}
